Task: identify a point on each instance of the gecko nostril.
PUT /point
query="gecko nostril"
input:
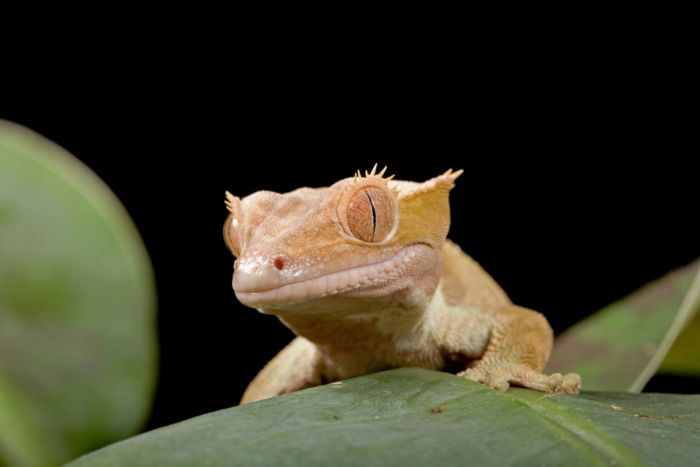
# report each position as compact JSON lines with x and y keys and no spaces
{"x":279,"y":263}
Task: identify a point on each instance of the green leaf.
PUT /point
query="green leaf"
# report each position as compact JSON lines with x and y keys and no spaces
{"x":412,"y":416}
{"x":77,"y":302}
{"x":684,"y":356}
{"x":620,"y":347}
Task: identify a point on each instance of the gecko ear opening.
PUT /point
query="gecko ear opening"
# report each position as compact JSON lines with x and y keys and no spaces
{"x":232,"y":236}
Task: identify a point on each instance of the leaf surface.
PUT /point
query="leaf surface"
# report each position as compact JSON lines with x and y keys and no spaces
{"x":411,"y":416}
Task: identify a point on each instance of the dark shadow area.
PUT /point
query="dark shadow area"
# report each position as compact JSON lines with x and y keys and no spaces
{"x":678,"y":384}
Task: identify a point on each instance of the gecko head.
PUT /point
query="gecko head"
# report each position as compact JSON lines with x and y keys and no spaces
{"x":367,"y":236}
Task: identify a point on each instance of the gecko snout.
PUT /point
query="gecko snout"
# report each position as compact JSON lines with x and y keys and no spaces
{"x":260,"y":272}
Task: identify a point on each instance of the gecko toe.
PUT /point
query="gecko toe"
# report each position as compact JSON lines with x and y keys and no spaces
{"x":571,"y":383}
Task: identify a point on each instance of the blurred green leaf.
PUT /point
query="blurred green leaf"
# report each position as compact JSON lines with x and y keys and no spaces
{"x":620,"y":347}
{"x":411,"y":416}
{"x":77,"y":303}
{"x":684,"y":356}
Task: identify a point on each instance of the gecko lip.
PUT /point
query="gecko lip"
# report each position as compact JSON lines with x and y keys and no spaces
{"x":342,"y":281}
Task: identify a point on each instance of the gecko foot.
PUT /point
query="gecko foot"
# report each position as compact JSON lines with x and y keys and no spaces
{"x":500,"y":377}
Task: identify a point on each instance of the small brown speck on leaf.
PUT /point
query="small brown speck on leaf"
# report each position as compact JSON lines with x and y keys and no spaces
{"x":616,"y":407}
{"x":336,"y":417}
{"x":437,"y":410}
{"x":659,"y":417}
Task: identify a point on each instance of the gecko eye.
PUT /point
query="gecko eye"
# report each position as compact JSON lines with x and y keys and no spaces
{"x":370,"y":214}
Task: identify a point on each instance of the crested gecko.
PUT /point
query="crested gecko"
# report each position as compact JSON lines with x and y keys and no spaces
{"x":363,"y":274}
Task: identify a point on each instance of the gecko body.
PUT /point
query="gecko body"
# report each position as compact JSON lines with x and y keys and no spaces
{"x":363,"y":274}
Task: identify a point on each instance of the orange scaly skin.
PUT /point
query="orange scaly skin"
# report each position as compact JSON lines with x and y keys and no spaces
{"x":362,"y":272}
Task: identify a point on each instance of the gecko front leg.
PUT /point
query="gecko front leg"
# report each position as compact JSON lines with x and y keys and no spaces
{"x":297,"y":366}
{"x":518,"y":349}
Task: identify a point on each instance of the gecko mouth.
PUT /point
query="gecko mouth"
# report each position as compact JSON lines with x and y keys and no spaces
{"x":338,"y":282}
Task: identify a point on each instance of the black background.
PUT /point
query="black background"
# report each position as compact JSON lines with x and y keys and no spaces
{"x":578,"y":185}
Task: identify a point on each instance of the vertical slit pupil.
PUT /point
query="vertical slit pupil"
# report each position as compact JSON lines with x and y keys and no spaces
{"x":374,"y":214}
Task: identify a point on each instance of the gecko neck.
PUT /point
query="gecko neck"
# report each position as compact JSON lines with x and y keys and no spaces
{"x":383,"y":333}
{"x":345,"y":321}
